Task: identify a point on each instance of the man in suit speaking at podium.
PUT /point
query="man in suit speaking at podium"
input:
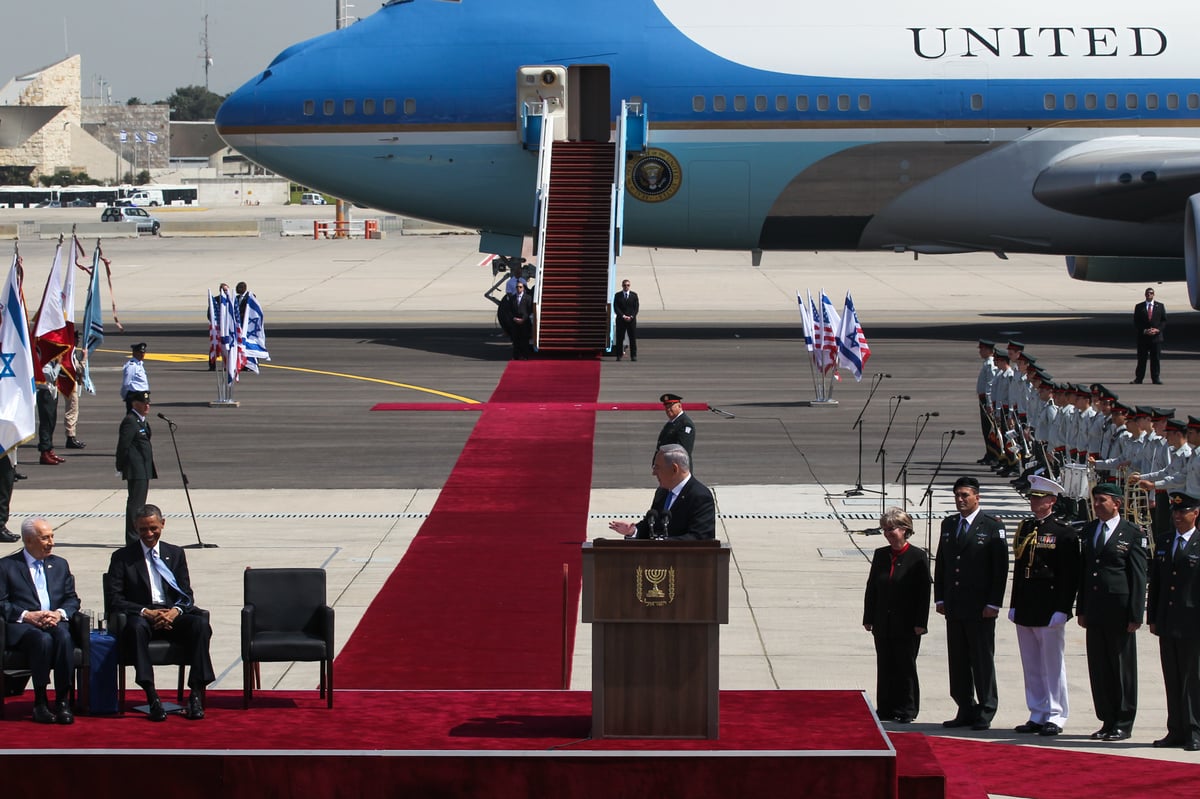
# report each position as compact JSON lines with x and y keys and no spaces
{"x":683,"y":507}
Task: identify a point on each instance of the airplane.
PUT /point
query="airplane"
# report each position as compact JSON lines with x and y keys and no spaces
{"x":931,"y":127}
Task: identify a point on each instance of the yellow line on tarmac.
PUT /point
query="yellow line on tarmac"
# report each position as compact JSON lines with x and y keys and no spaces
{"x":189,"y":358}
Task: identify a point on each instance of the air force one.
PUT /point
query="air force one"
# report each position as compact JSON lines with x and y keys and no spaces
{"x":934,"y":126}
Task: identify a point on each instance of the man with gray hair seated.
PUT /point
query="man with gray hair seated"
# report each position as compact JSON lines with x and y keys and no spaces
{"x":683,"y":507}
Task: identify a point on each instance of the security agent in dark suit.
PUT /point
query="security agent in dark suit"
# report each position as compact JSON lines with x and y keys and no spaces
{"x":135,"y":458}
{"x":679,"y":429}
{"x":516,"y":316}
{"x":968,"y":589}
{"x":1112,"y":599}
{"x":1149,"y":321}
{"x":157,"y":600}
{"x":35,"y":616}
{"x":625,"y":308}
{"x":896,"y":613}
{"x":1046,"y":566}
{"x":1173,"y":613}
{"x":683,"y":507}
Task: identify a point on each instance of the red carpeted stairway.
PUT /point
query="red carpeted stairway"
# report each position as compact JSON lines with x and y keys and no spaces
{"x":574,"y":314}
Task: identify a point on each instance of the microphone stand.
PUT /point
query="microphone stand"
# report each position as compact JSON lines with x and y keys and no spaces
{"x":927,"y":497}
{"x":858,"y":489}
{"x":902,"y":475}
{"x":881,"y":456}
{"x":199,"y":544}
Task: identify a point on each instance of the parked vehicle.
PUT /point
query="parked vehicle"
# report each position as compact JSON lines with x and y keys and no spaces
{"x":312,"y":198}
{"x":144,"y":197}
{"x":130,"y":213}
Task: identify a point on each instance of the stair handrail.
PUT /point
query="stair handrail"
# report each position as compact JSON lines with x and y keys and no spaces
{"x":541,"y":214}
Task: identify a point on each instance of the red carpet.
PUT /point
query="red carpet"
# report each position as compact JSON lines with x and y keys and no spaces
{"x":477,"y":601}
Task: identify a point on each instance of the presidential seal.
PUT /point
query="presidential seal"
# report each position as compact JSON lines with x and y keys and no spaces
{"x":653,"y":176}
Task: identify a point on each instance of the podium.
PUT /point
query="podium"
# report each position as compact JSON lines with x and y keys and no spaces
{"x":655,"y":607}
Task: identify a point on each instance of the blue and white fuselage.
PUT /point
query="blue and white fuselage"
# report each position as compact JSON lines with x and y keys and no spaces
{"x":935,"y":126}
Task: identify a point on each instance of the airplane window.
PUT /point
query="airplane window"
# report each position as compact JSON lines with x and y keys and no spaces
{"x":1173,"y":101}
{"x":348,"y":107}
{"x":1089,"y":102}
{"x":327,"y":108}
{"x":1131,"y":101}
{"x":781,"y":102}
{"x":310,"y":107}
{"x":976,"y":102}
{"x":410,"y":106}
{"x":1110,"y":102}
{"x":864,"y":102}
{"x":1069,"y":102}
{"x":1193,"y":102}
{"x":843,"y":102}
{"x":1152,"y":102}
{"x":739,"y":102}
{"x":1049,"y":102}
{"x":389,"y":106}
{"x":369,"y":106}
{"x":719,"y":102}
{"x":822,"y":102}
{"x":802,"y":102}
{"x":760,"y":103}
{"x":698,"y":103}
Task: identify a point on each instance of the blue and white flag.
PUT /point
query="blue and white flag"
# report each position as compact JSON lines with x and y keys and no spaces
{"x":137,"y":137}
{"x":18,"y":411}
{"x":232,"y":348}
{"x":124,"y":136}
{"x":853,"y":350}
{"x":93,"y":322}
{"x":808,"y":322}
{"x":255,"y":334}
{"x":152,"y":137}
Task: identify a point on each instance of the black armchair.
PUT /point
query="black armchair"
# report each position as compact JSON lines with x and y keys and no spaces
{"x":285,"y":618}
{"x":162,"y":652}
{"x":14,"y":666}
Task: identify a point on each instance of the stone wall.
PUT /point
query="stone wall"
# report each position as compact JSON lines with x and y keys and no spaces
{"x":49,"y":148}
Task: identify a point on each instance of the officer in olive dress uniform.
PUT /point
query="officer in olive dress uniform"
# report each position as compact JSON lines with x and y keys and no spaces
{"x":1046,"y":569}
{"x":679,"y":429}
{"x":1173,"y":613}
{"x":1112,"y":600}
{"x":968,"y":589}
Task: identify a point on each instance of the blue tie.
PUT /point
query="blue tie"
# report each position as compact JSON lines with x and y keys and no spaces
{"x":165,"y":572}
{"x":39,"y":582}
{"x":670,"y":500}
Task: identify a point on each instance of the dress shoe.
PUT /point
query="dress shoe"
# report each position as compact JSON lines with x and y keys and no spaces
{"x":1192,"y":745}
{"x":618,"y":357}
{"x":1029,"y":726}
{"x":48,"y":458}
{"x":63,"y":714}
{"x":1050,"y":728}
{"x":156,"y":712}
{"x":633,"y":357}
{"x":956,"y":722}
{"x":981,"y":725}
{"x":195,"y":710}
{"x":903,"y":719}
{"x":1101,"y":733}
{"x":75,"y":443}
{"x":20,"y":476}
{"x":1135,"y":382}
{"x":1158,"y":382}
{"x":1169,"y":741}
{"x":42,"y":714}
{"x":1118,"y":734}
{"x":8,"y":536}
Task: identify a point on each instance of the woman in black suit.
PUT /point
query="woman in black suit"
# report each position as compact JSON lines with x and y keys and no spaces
{"x":896,"y":613}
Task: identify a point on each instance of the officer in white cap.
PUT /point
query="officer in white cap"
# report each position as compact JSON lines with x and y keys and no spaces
{"x":1046,"y":571}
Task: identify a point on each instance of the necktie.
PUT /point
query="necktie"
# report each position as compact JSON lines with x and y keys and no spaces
{"x":670,"y":500}
{"x":39,"y":582}
{"x":962,"y":528}
{"x":1099,"y":534}
{"x":1180,"y":544}
{"x":165,"y":572}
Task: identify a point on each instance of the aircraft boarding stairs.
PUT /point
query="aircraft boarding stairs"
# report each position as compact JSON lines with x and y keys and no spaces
{"x":579,"y":205}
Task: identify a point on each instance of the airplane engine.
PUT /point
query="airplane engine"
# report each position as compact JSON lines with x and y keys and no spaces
{"x":1191,"y":218}
{"x":1116,"y":269}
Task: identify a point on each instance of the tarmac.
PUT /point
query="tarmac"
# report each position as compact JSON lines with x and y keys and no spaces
{"x":302,"y":473}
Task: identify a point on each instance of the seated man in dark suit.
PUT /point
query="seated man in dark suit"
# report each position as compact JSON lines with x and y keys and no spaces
{"x":683,"y":507}
{"x":37,"y":596}
{"x":148,"y":582}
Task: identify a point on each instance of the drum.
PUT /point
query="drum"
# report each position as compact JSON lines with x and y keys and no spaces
{"x":1075,"y":480}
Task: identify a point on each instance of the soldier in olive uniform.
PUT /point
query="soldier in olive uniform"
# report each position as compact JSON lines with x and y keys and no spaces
{"x":679,"y":429}
{"x":1045,"y":580}
{"x":1112,"y":599}
{"x":1173,"y":613}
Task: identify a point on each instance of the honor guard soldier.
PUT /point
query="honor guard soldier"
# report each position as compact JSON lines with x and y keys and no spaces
{"x":1045,"y":581}
{"x":983,"y":388}
{"x":1173,"y":613}
{"x":679,"y":429}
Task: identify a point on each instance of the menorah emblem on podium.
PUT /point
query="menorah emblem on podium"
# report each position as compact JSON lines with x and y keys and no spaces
{"x":654,"y":595}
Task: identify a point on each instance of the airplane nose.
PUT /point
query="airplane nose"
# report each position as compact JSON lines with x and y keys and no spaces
{"x":238,"y":118}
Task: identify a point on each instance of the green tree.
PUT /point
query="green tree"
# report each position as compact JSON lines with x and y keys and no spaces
{"x":134,"y":101}
{"x":194,"y":104}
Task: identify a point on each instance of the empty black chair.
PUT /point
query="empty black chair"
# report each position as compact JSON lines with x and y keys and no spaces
{"x":162,"y":652}
{"x":285,"y":618}
{"x":14,"y":666}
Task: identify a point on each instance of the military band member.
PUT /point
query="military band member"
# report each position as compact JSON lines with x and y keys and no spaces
{"x":1171,"y":476}
{"x":1173,"y":613}
{"x":983,"y":388}
{"x":1046,"y":570}
{"x":1112,"y":600}
{"x":968,"y":589}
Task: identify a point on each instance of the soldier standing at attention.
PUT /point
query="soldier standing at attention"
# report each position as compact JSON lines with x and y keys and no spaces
{"x":679,"y":429}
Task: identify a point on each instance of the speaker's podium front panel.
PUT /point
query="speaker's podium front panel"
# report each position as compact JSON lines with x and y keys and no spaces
{"x":655,"y":608}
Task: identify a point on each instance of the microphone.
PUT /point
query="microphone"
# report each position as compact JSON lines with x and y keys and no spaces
{"x":165,"y":419}
{"x":931,"y":413}
{"x":664,"y":524}
{"x":651,"y":519}
{"x":885,"y":374}
{"x":901,"y":396}
{"x":959,"y":432}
